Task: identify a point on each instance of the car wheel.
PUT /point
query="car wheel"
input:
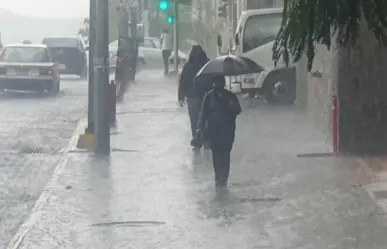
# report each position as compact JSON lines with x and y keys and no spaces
{"x":279,"y":90}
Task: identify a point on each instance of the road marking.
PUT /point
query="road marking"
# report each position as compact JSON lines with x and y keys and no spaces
{"x":47,"y":190}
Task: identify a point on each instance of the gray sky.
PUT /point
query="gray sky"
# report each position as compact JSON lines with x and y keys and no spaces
{"x":44,"y":8}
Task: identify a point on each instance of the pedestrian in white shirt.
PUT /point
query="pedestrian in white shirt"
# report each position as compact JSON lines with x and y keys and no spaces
{"x":166,"y":48}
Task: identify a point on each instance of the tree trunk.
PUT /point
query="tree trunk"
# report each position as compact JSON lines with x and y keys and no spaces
{"x":302,"y":84}
{"x":362,"y":93}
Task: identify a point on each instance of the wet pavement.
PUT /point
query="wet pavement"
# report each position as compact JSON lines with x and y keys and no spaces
{"x":34,"y":130}
{"x":155,"y":192}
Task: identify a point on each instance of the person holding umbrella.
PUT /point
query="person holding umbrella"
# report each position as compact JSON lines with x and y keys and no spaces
{"x":192,"y":90}
{"x":220,"y":108}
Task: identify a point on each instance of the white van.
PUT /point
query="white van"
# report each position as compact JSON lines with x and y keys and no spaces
{"x":254,"y":38}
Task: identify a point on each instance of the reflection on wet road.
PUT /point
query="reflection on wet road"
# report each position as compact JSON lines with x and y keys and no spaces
{"x":34,"y":129}
{"x":155,"y":192}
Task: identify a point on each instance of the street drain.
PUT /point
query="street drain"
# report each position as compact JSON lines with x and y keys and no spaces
{"x":130,"y":223}
{"x":268,"y":199}
{"x":318,"y":154}
{"x":381,"y":194}
{"x":79,"y":151}
{"x":151,"y":110}
{"x":122,"y":150}
{"x":32,"y":150}
{"x":112,"y":150}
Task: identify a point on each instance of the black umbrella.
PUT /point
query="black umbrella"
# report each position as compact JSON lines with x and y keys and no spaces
{"x":229,"y":65}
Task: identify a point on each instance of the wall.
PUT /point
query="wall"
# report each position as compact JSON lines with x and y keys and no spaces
{"x":318,"y":90}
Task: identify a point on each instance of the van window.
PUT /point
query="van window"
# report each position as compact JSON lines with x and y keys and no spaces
{"x":260,"y":29}
{"x":61,"y":42}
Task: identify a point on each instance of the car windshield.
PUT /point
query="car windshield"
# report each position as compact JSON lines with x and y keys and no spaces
{"x":260,"y":29}
{"x":60,"y":42}
{"x":24,"y":54}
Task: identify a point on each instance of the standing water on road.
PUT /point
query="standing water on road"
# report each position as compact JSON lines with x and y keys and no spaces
{"x":154,"y":191}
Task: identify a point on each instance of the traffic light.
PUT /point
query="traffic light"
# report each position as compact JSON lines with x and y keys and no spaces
{"x":170,"y":19}
{"x":222,"y":10}
{"x":163,"y":5}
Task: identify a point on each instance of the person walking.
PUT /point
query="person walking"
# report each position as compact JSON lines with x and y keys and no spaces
{"x":166,"y":49}
{"x":220,"y":109}
{"x":191,"y":90}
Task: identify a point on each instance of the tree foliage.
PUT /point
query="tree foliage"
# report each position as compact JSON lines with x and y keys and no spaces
{"x":306,"y":23}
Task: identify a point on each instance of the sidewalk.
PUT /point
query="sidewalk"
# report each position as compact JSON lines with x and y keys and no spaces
{"x":155,"y":192}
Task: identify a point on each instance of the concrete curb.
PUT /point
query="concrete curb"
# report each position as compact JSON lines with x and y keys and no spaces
{"x":375,"y":184}
{"x":26,"y":226}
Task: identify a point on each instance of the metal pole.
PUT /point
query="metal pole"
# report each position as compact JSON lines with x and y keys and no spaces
{"x":145,"y":18}
{"x":124,"y":23}
{"x":92,"y":36}
{"x":229,"y":23}
{"x":101,"y":70}
{"x":176,"y":34}
{"x":335,"y":122}
{"x":122,"y":65}
{"x":234,"y":16}
{"x":133,"y":44}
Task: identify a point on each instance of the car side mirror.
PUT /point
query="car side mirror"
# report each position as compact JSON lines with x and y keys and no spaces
{"x":219,"y":40}
{"x":236,"y":40}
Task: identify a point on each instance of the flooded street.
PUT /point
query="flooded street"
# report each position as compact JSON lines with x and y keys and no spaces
{"x":155,"y":192}
{"x":34,"y":130}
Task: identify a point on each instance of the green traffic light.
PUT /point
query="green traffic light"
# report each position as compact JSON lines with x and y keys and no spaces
{"x":170,"y":19}
{"x":163,"y":5}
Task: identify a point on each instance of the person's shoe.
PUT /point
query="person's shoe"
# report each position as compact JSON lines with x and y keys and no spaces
{"x":221,"y":183}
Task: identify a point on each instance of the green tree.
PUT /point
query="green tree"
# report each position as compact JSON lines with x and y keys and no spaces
{"x":357,"y":30}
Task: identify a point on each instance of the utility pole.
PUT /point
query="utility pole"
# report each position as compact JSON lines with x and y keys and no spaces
{"x":92,"y":37}
{"x":101,"y":70}
{"x":145,"y":16}
{"x":230,"y":22}
{"x":133,"y":44}
{"x":176,"y":34}
{"x":122,"y":66}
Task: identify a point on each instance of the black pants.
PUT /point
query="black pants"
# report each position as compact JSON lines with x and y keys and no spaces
{"x":166,"y":54}
{"x":221,"y":162}
{"x":193,"y":112}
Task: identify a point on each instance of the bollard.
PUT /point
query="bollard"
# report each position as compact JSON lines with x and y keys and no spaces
{"x":335,"y":122}
{"x":112,"y":103}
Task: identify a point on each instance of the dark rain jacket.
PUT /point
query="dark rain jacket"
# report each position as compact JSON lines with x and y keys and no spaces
{"x":220,"y":109}
{"x":188,"y":86}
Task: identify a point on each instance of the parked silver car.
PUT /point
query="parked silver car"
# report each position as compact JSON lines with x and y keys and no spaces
{"x":149,"y":53}
{"x":113,"y":47}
